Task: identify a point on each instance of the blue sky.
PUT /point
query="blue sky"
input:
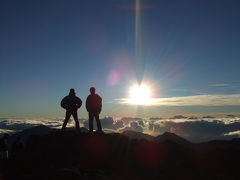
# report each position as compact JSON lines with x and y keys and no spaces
{"x":188,"y":48}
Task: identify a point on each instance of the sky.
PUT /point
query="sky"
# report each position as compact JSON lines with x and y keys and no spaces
{"x":186,"y":51}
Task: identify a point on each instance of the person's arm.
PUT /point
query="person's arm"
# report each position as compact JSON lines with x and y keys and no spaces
{"x":63,"y":103}
{"x":79,"y":102}
{"x":100,"y":104}
{"x":87,"y":104}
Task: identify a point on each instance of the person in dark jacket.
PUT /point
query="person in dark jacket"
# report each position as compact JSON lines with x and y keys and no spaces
{"x":94,"y":107}
{"x":71,"y":103}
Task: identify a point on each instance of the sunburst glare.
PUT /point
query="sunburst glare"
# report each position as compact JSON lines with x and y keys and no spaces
{"x":140,"y":94}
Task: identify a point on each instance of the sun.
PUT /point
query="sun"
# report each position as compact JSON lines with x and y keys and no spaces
{"x":140,"y":95}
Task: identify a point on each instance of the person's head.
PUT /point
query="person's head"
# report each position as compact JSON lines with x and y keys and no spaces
{"x":72,"y":92}
{"x":92,"y":90}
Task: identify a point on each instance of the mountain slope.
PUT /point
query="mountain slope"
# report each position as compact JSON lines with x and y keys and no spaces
{"x":137,"y":135}
{"x":171,"y":137}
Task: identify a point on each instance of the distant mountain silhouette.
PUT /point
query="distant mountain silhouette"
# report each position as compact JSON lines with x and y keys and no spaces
{"x":37,"y":130}
{"x":167,"y":136}
{"x":178,"y":117}
{"x":40,"y":131}
{"x":208,"y":117}
{"x":137,"y":135}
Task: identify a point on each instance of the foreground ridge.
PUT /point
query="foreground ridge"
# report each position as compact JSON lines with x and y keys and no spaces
{"x":70,"y":155}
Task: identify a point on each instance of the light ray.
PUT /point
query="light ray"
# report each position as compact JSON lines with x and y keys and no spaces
{"x":137,"y":29}
{"x":138,"y":42}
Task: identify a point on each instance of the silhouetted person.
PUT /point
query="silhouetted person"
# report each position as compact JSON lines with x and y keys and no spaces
{"x":94,"y":107}
{"x":71,"y":103}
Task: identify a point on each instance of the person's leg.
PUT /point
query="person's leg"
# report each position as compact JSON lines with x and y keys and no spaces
{"x":99,"y":126}
{"x":67,"y":117}
{"x":75,"y":117}
{"x":90,"y":122}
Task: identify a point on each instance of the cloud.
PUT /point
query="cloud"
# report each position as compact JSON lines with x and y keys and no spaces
{"x":141,"y":123}
{"x":194,"y":129}
{"x":219,"y":85}
{"x":2,"y":131}
{"x":234,"y":133}
{"x":134,"y":126}
{"x":231,"y":116}
{"x":107,"y":122}
{"x":192,"y":117}
{"x":198,"y":130}
{"x":118,"y":124}
{"x":208,"y":117}
{"x":197,"y":100}
{"x":19,"y":124}
{"x":190,"y":91}
{"x":128,"y":119}
{"x":154,"y":127}
{"x":155,"y":118}
{"x":178,"y":117}
{"x":130,"y":123}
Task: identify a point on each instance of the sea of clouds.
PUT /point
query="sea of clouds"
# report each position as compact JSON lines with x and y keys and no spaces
{"x":194,"y":129}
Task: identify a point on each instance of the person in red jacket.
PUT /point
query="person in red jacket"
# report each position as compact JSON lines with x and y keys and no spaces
{"x":94,"y":107}
{"x":71,"y":103}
